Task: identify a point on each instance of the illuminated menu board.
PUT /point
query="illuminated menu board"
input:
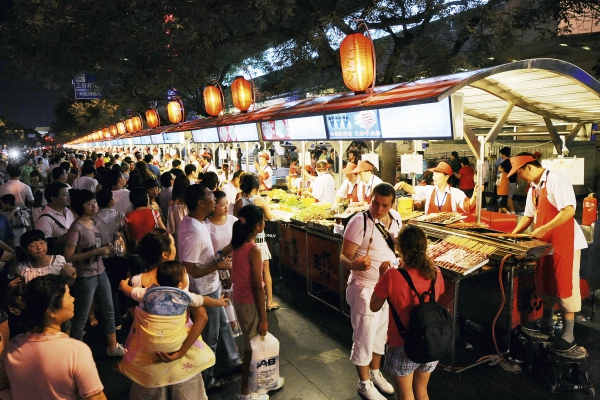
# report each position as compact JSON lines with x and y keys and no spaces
{"x":210,"y":135}
{"x":419,"y":121}
{"x":354,"y":125}
{"x":238,"y":133}
{"x":137,"y":140}
{"x":157,"y":139}
{"x":146,"y":140}
{"x":305,"y":128}
{"x":172,"y":137}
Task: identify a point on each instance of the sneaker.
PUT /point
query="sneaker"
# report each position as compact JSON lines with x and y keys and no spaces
{"x":368,"y":392}
{"x":280,"y":383}
{"x":381,"y":383}
{"x":117,"y":351}
{"x":534,"y":328}
{"x":254,"y":396}
{"x":562,"y":346}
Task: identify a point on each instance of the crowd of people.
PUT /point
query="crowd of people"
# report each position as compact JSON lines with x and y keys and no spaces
{"x":116,"y":235}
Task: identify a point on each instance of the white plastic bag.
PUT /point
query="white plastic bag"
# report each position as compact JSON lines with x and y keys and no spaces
{"x":264,"y":366}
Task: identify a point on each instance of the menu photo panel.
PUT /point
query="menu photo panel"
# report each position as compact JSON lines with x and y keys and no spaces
{"x":354,"y":125}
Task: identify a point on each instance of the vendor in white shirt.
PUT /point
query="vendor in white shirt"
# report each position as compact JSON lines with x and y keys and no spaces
{"x":440,"y":197}
{"x":323,"y":187}
{"x":352,"y":188}
{"x":264,"y":171}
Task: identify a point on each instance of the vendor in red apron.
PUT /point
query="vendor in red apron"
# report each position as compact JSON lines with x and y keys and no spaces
{"x":366,"y":172}
{"x":551,"y":206}
{"x":352,"y":189}
{"x":264,"y":171}
{"x":441,"y":197}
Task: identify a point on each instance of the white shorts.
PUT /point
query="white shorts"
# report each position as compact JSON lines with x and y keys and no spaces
{"x":572,"y":303}
{"x":264,"y":251}
{"x":370,"y":328}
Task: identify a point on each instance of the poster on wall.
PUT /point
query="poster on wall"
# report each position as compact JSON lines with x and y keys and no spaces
{"x":572,"y":168}
{"x":354,"y":125}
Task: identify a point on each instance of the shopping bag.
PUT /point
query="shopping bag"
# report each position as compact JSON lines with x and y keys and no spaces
{"x":264,"y":366}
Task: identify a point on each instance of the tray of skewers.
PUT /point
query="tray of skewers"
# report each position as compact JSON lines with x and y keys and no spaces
{"x":442,"y":218}
{"x":460,"y":255}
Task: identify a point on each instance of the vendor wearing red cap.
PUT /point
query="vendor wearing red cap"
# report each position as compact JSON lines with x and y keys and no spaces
{"x":366,"y":171}
{"x":352,"y":188}
{"x":440,"y":196}
{"x":551,"y":206}
{"x":206,"y":162}
{"x":323,"y":187}
{"x":264,"y":171}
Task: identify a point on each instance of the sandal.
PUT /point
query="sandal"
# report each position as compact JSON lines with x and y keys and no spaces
{"x":274,"y":306}
{"x":93,"y":320}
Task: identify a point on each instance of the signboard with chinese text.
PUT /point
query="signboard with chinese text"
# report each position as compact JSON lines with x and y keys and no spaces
{"x":85,"y":88}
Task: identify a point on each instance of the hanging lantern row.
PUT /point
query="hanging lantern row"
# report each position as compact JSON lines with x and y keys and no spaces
{"x":357,"y":56}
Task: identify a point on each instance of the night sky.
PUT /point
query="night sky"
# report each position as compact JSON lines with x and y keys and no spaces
{"x":25,"y":100}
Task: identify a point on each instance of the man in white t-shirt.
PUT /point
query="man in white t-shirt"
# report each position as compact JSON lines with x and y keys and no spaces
{"x":87,"y":180}
{"x":14,"y":186}
{"x":364,"y":248}
{"x":56,"y":218}
{"x":117,"y":183}
{"x":199,"y":258}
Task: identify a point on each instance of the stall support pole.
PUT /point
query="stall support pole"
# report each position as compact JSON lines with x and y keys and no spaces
{"x":480,"y":176}
{"x":303,"y":165}
{"x":247,"y":157}
{"x":372,"y":146}
{"x":341,"y":165}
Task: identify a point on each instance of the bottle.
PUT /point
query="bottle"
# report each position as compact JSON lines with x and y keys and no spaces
{"x":223,"y":273}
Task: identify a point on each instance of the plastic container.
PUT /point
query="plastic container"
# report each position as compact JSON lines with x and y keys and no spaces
{"x":405,"y":205}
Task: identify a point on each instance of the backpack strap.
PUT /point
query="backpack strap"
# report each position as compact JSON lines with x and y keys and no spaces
{"x":52,"y":218}
{"x":420,"y":296}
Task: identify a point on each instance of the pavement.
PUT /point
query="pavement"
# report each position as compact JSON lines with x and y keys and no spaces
{"x":315,"y":343}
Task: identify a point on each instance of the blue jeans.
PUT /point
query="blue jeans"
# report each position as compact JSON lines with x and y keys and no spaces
{"x":217,"y":324}
{"x":85,"y":290}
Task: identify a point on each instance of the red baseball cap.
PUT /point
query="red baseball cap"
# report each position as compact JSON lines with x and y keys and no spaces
{"x":362,"y":166}
{"x":443,"y":167}
{"x":349,"y":168}
{"x":518,"y":162}
{"x":264,"y":155}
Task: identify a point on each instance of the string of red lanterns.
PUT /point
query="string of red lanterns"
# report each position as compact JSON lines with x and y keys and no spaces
{"x":358,"y":62}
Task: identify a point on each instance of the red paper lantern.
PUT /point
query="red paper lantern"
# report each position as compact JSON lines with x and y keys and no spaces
{"x":152,"y":118}
{"x":113,"y":130}
{"x":241,"y":92}
{"x":356,"y":53}
{"x":137,"y":122}
{"x":213,"y":103}
{"x":106,"y":133}
{"x":121,"y":129}
{"x":175,"y":111}
{"x":129,"y":125}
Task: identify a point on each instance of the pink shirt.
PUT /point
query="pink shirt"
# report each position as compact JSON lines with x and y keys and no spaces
{"x":241,"y":275}
{"x":50,"y":366}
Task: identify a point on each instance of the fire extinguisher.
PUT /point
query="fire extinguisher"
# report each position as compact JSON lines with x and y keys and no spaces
{"x":590,"y":210}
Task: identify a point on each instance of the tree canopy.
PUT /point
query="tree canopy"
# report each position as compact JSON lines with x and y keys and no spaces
{"x":140,"y":48}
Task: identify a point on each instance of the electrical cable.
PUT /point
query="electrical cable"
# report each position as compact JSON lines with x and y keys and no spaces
{"x":501,"y":305}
